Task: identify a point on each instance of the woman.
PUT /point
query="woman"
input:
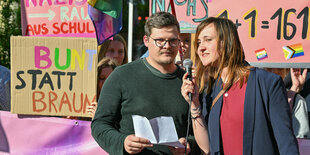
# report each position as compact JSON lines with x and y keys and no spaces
{"x":248,"y":113}
{"x":115,"y":48}
{"x":105,"y":68}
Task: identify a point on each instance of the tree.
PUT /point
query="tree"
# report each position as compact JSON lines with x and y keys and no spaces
{"x":10,"y":24}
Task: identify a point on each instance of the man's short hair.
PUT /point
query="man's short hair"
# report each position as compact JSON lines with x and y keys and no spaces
{"x":160,"y":20}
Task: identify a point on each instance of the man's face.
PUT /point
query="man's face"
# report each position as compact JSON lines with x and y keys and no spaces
{"x":163,"y":55}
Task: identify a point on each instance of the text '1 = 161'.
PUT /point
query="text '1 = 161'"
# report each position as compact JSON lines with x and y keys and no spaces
{"x":283,"y":25}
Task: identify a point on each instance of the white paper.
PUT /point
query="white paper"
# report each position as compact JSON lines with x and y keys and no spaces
{"x":159,"y":130}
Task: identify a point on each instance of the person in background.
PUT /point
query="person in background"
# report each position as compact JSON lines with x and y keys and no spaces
{"x":304,"y":91}
{"x":105,"y":68}
{"x":297,"y":103}
{"x":249,"y":112}
{"x":147,"y":87}
{"x":185,"y":49}
{"x":5,"y":93}
{"x":115,"y":48}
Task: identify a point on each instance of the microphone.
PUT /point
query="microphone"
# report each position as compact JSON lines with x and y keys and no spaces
{"x":187,"y":63}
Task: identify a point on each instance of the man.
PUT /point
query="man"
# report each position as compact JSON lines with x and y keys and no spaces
{"x":148,"y":87}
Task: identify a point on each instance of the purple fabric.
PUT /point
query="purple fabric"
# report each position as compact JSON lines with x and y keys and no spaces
{"x":105,"y":25}
{"x":304,"y":146}
{"x":34,"y":135}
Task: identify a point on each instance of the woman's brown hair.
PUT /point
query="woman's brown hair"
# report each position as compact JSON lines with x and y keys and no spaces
{"x":231,"y":55}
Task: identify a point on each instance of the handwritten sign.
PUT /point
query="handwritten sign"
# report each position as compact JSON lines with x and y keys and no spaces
{"x":53,"y":76}
{"x":64,"y":18}
{"x":269,"y":25}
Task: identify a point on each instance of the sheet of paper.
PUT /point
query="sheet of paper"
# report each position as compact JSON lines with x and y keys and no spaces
{"x":143,"y":128}
{"x":159,"y":130}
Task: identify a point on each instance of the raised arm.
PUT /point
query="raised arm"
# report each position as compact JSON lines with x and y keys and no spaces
{"x":298,"y":79}
{"x":199,"y":125}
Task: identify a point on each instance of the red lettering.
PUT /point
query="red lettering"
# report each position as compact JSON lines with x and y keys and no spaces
{"x":65,"y":100}
{"x":88,"y":28}
{"x":73,"y":103}
{"x":57,"y":29}
{"x":29,"y":28}
{"x":62,"y":28}
{"x":79,"y":27}
{"x":39,"y":100}
{"x":51,"y":100}
{"x":36,"y":29}
{"x":72,"y":27}
{"x":44,"y":29}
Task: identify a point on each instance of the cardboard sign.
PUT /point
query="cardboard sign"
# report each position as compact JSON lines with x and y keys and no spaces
{"x":278,"y":33}
{"x":53,"y":76}
{"x":63,"y":18}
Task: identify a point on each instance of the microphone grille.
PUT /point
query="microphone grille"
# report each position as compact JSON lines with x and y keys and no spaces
{"x":187,"y":62}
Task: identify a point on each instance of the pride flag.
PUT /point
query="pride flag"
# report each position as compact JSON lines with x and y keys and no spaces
{"x":261,"y":54}
{"x":293,"y":51}
{"x":106,"y":16}
{"x":109,"y":7}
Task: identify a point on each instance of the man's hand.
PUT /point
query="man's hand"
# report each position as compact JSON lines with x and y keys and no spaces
{"x":133,"y":144}
{"x":180,"y":151}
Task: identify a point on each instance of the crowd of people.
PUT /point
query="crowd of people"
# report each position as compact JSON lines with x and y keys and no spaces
{"x":234,"y":108}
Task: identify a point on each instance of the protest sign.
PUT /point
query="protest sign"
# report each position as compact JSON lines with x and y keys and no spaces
{"x":63,"y":18}
{"x":53,"y":76}
{"x":276,"y":35}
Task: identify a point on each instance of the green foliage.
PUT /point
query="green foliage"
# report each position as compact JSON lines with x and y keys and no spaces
{"x":10,"y":24}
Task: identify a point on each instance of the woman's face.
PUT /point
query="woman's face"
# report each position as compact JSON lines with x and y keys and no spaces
{"x":207,"y":46}
{"x":186,"y":44}
{"x":116,"y":51}
{"x":105,"y":72}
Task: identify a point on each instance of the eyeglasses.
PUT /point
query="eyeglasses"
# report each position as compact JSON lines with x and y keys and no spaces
{"x":162,"y":42}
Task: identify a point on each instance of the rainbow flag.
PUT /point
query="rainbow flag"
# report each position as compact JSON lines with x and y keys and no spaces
{"x":261,"y":54}
{"x":107,"y":18}
{"x":293,"y":51}
{"x":109,"y":7}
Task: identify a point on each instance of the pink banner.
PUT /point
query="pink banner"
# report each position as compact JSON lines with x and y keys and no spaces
{"x":33,"y":135}
{"x":56,"y":18}
{"x":304,"y":146}
{"x":275,"y":31}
